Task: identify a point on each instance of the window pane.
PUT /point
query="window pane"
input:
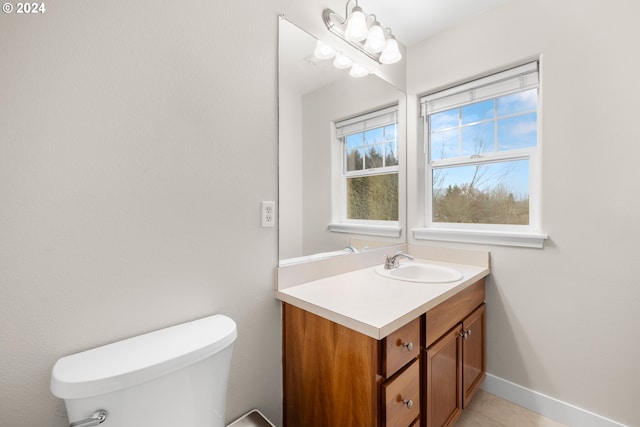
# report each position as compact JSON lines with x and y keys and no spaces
{"x":477,"y":139}
{"x":477,"y":112}
{"x":484,"y":193}
{"x":373,"y":197}
{"x":444,"y":120}
{"x":355,"y":159}
{"x":391,"y":154}
{"x":518,"y":132}
{"x":374,"y":157}
{"x":444,"y":144}
{"x":373,"y":136}
{"x":354,"y":141}
{"x":391,"y":133}
{"x":518,"y":102}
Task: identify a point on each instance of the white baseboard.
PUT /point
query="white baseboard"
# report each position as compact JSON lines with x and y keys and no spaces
{"x":544,"y":405}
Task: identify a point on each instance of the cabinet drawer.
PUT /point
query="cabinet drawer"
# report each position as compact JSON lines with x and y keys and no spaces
{"x":447,"y":314}
{"x":400,"y":347}
{"x":402,"y":397}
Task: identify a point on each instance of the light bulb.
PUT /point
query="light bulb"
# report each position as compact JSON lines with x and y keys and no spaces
{"x":324,"y":51}
{"x":358,"y":70}
{"x":375,"y":40}
{"x":391,"y":52}
{"x":356,"y":25}
{"x":342,"y":61}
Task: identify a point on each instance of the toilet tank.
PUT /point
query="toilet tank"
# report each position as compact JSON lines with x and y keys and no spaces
{"x":171,"y":377}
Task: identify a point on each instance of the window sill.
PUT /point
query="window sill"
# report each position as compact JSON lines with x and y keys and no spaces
{"x":502,"y":238}
{"x":367,"y":229}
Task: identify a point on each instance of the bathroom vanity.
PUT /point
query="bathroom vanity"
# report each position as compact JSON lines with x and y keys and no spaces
{"x":360,"y":349}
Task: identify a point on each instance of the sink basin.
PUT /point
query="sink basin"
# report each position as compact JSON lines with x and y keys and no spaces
{"x":420,"y":272}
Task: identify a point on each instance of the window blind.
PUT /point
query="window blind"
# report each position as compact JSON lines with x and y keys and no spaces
{"x":503,"y":83}
{"x":375,"y":119}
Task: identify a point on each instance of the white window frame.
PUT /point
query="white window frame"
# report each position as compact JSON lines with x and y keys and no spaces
{"x":361,"y":123}
{"x":514,"y":80}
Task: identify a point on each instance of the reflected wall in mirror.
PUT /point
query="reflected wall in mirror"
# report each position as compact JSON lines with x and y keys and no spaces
{"x":313,"y":96}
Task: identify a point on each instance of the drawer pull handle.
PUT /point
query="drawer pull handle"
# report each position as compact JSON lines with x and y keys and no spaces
{"x":409,"y":403}
{"x":408,"y":346}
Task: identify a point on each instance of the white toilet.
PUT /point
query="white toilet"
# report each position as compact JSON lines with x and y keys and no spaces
{"x":174,"y":377}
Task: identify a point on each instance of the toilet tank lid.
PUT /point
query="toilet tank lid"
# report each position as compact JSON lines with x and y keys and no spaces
{"x":132,"y":361}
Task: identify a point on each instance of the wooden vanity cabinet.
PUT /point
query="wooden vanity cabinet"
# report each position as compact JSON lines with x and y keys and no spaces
{"x":455,"y":361}
{"x":335,"y":376}
{"x":421,"y":375}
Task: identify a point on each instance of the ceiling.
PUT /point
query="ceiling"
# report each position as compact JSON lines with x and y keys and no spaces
{"x":413,"y":21}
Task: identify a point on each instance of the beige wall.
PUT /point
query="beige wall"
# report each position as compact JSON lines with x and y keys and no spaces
{"x":561,"y":320}
{"x":290,"y":229}
{"x":137,"y":140}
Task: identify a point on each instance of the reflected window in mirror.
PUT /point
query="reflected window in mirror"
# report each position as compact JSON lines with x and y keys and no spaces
{"x":368,"y":185}
{"x":313,"y":96}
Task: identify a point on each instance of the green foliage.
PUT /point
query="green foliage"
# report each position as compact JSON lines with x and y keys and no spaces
{"x":467,"y":204}
{"x":373,"y":197}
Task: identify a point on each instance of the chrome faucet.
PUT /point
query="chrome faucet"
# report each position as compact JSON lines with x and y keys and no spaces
{"x":394,"y":261}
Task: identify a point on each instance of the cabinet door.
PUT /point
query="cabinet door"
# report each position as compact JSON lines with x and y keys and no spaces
{"x":473,"y":353}
{"x":330,"y":373}
{"x":443,"y":378}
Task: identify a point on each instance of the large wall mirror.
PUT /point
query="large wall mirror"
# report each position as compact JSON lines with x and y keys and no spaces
{"x":313,"y":97}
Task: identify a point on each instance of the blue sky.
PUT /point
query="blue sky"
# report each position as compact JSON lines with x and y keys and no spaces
{"x":501,"y":124}
{"x":513,"y":174}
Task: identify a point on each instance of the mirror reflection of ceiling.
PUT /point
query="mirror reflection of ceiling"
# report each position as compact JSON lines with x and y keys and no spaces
{"x":299,"y":69}
{"x":413,"y":21}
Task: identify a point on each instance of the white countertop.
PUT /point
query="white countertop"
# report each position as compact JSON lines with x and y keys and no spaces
{"x":374,"y":305}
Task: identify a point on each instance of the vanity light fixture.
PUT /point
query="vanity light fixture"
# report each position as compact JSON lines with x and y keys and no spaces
{"x":341,"y":61}
{"x":376,"y":40}
{"x":357,"y":28}
{"x":323,"y":51}
{"x":358,"y":70}
{"x":364,"y":32}
{"x":391,"y":53}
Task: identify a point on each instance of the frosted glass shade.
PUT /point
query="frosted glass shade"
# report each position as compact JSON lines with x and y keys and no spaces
{"x":324,"y":51}
{"x":358,"y":70}
{"x":342,"y":61}
{"x":375,"y":40}
{"x":356,"y":25}
{"x":391,"y":52}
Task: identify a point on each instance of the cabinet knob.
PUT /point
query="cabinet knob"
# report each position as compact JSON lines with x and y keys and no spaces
{"x":408,"y":346}
{"x":409,"y":403}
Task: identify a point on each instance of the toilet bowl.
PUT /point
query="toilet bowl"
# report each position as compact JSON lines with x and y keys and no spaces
{"x":171,"y":377}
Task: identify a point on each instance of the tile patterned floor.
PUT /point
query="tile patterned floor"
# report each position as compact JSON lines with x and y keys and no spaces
{"x":488,"y":410}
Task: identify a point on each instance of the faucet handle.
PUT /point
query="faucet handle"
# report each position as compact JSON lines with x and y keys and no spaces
{"x":388,"y":262}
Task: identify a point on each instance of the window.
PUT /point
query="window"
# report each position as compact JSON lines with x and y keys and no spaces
{"x":368,"y":195}
{"x":481,"y":141}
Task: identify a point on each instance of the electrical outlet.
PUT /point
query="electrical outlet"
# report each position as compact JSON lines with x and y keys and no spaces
{"x":268,"y":214}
